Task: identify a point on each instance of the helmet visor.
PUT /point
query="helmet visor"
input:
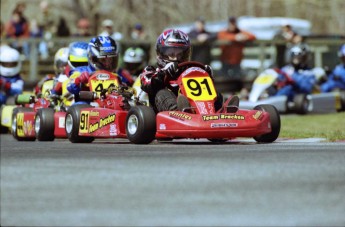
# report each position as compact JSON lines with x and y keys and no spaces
{"x":9,"y":64}
{"x":106,"y":63}
{"x":176,"y":54}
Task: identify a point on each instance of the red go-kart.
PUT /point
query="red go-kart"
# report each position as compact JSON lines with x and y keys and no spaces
{"x":196,"y":116}
{"x":84,"y":122}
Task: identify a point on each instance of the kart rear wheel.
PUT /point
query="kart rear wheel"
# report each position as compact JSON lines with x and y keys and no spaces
{"x":44,"y":124}
{"x":141,"y":125}
{"x":302,"y":104}
{"x":14,"y":125}
{"x":72,"y":124}
{"x":275,"y":124}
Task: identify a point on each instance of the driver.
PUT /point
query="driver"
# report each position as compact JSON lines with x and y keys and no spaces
{"x":172,"y":47}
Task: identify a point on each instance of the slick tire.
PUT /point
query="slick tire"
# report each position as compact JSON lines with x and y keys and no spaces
{"x":141,"y":125}
{"x":72,"y":124}
{"x":275,"y":124}
{"x":44,"y":124}
{"x":302,"y":104}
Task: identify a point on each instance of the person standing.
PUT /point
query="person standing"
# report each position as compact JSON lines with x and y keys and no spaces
{"x":201,"y":39}
{"x":232,"y":53}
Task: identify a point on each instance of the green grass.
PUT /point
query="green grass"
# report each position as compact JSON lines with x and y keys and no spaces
{"x":329,"y":126}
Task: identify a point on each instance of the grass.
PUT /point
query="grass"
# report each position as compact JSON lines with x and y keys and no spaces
{"x":329,"y":126}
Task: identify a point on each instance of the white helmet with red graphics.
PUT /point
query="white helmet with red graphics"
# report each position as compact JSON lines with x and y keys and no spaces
{"x":173,"y":46}
{"x":10,"y":63}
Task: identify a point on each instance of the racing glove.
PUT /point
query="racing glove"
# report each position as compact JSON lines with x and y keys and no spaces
{"x":5,"y":85}
{"x":170,"y":70}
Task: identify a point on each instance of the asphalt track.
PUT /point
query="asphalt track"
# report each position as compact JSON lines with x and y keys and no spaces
{"x":184,"y":183}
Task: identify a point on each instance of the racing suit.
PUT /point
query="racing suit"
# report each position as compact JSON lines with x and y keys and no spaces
{"x":10,"y":86}
{"x":335,"y":80}
{"x":298,"y":81}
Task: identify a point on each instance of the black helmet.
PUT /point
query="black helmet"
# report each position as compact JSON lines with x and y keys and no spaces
{"x":299,"y":55}
{"x":103,"y":53}
{"x":173,"y":46}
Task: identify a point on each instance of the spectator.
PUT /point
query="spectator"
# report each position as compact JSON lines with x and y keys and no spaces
{"x":83,"y":28}
{"x":232,"y":53}
{"x":62,"y":28}
{"x":37,"y":32}
{"x":201,"y":45}
{"x":18,"y":27}
{"x":138,"y":33}
{"x":47,"y":21}
{"x":107,"y":26}
{"x":291,"y":38}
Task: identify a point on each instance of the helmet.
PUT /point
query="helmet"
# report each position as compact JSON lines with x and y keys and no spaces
{"x":299,"y":55}
{"x":103,"y":53}
{"x":173,"y":46}
{"x":61,"y":60}
{"x":10,"y":63}
{"x":134,"y":59}
{"x":77,"y":54}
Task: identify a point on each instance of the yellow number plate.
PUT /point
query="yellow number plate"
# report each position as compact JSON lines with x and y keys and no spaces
{"x":20,"y":124}
{"x":84,"y":122}
{"x":265,"y":79}
{"x":199,"y":88}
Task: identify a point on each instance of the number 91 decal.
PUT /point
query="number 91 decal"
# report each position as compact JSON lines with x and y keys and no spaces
{"x":199,"y":88}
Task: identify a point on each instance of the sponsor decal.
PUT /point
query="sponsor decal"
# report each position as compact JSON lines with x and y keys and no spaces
{"x":94,"y":114}
{"x":162,"y":127}
{"x":224,"y":125}
{"x":102,"y":122}
{"x":257,"y":115}
{"x":222,"y":117}
{"x":113,"y":130}
{"x":61,"y":122}
{"x":102,"y":76}
{"x":193,"y":69}
{"x":180,"y":116}
{"x":28,"y":127}
{"x":105,"y":48}
{"x":202,"y":107}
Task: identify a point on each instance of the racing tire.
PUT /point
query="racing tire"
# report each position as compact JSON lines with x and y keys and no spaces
{"x":301,"y":104}
{"x":165,"y":100}
{"x":14,"y":130}
{"x":72,"y":124}
{"x":45,"y":124}
{"x":141,"y":125}
{"x":275,"y":124}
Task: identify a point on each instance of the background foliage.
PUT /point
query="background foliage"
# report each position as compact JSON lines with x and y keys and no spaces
{"x":327,"y":16}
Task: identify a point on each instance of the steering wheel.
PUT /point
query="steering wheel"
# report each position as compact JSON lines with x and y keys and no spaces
{"x":189,"y":64}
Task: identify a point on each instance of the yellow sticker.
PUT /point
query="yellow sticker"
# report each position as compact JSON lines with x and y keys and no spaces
{"x":84,"y":121}
{"x":99,"y":85}
{"x":199,"y":88}
{"x":265,"y":79}
{"x":20,"y":124}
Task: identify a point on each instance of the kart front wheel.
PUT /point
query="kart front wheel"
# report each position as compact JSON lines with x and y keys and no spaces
{"x":141,"y":125}
{"x":301,"y":104}
{"x":274,"y":121}
{"x":44,"y":124}
{"x":72,"y":124}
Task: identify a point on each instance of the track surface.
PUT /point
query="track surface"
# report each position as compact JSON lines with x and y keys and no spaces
{"x":114,"y":183}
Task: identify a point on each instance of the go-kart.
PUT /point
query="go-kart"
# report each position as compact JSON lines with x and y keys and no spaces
{"x":196,"y":116}
{"x":84,"y":122}
{"x":265,"y":87}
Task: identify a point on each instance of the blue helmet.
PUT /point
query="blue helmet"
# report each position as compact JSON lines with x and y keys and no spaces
{"x":103,"y":53}
{"x":77,"y":54}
